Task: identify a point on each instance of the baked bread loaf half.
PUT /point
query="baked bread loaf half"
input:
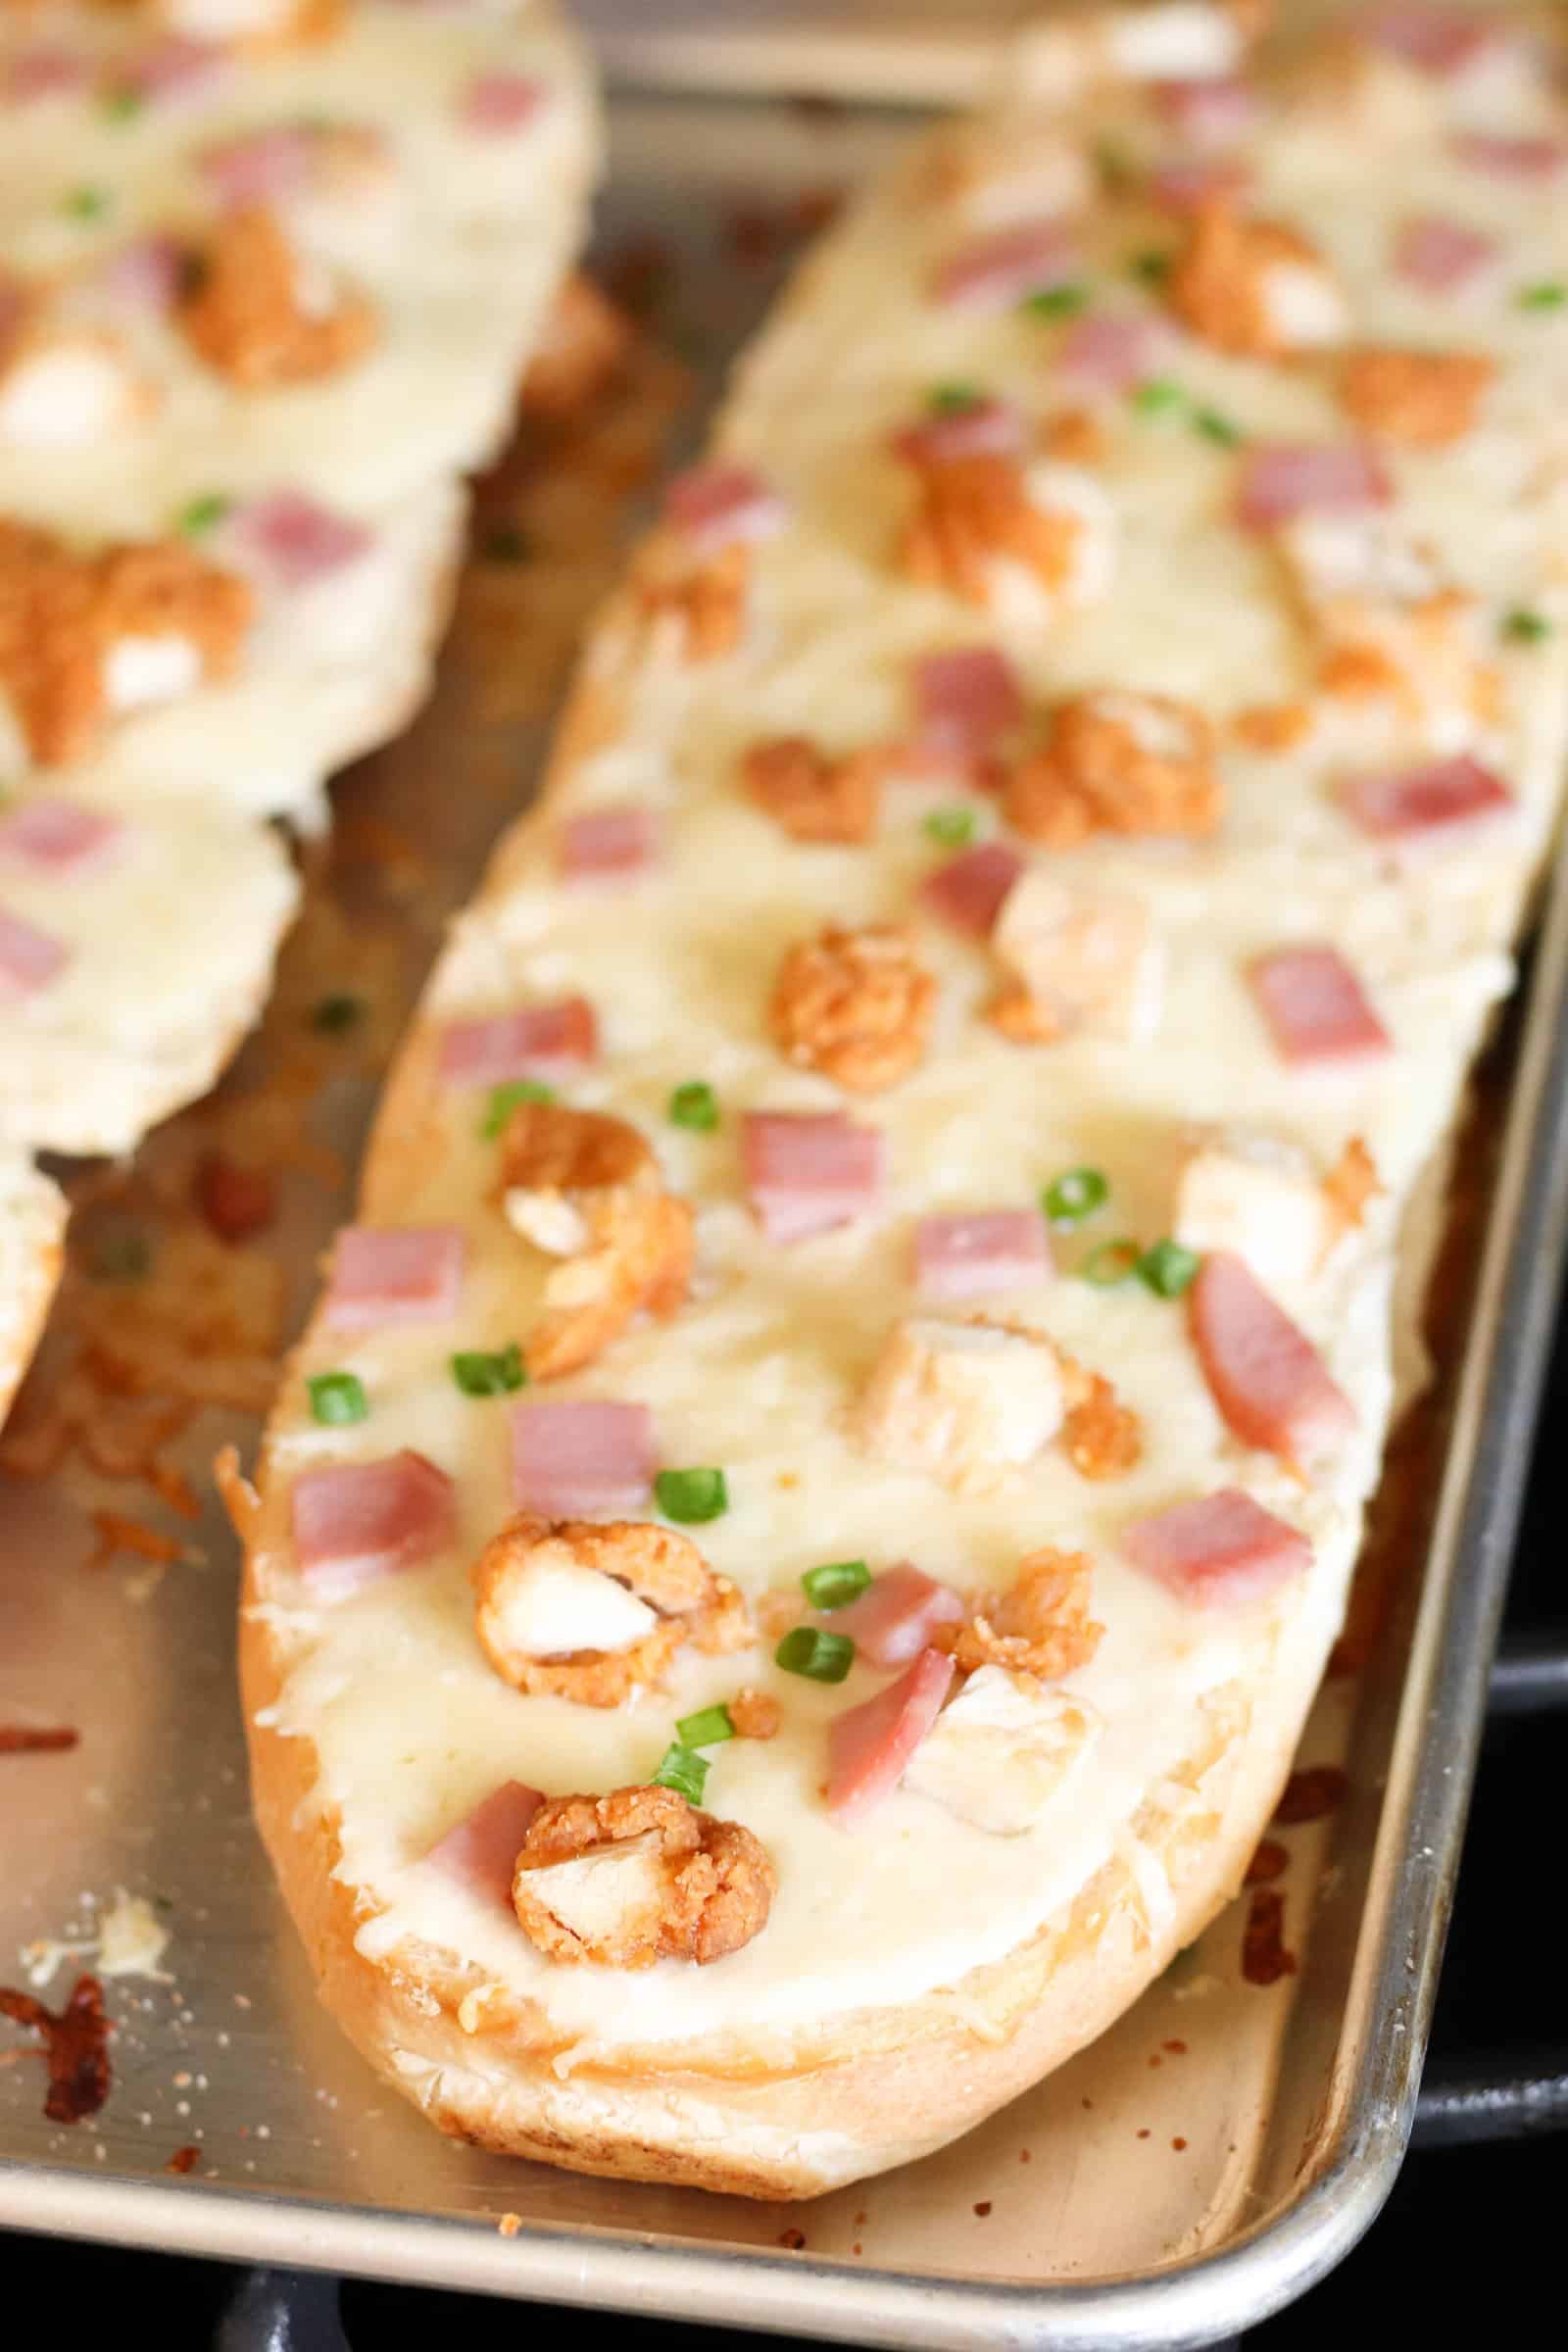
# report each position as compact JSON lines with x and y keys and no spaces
{"x":790,"y":1564}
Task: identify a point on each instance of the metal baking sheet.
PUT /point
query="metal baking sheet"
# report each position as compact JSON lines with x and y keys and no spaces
{"x":1195,"y":2169}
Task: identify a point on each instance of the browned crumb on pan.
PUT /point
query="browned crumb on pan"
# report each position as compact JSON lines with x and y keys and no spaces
{"x":76,"y":2042}
{"x":1311,"y":1794}
{"x":1270,"y":1861}
{"x":29,"y":1739}
{"x":1264,"y":1956}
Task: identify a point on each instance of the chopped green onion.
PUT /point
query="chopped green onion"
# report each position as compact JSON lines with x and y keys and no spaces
{"x":951,"y":400}
{"x":337,"y":1399}
{"x":1075,"y":1194}
{"x":479,"y":1375}
{"x":1549,"y":294}
{"x":695,"y":1105}
{"x":122,"y":105}
{"x":333,"y":1014}
{"x":1215,"y":427}
{"x":1152,"y":268}
{"x":123,"y":1257}
{"x":691,"y":1496}
{"x":507,"y":543}
{"x":1521,"y":626}
{"x":1112,"y":162}
{"x":685,"y":1773}
{"x":202,"y":514}
{"x":1167,"y":1268}
{"x":1112,"y":1264}
{"x":823,"y":1657}
{"x":706,"y":1729}
{"x":952,"y":827}
{"x":1156,"y":395}
{"x":1057,"y":302}
{"x":503,"y":1099}
{"x":836,"y":1584}
{"x":85,"y":204}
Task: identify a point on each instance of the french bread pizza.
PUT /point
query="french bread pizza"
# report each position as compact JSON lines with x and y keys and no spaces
{"x":788,"y":1569}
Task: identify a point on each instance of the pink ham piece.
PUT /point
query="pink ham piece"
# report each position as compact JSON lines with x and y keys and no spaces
{"x":292,"y":541}
{"x":538,"y":1041}
{"x":386,"y":1274}
{"x":1218,"y":1550}
{"x":1442,"y":256}
{"x":263,"y":167}
{"x":175,"y":71}
{"x":609,"y":845}
{"x":46,"y":72}
{"x":982,"y":429}
{"x":58,"y":837}
{"x":361,"y":1521}
{"x":1197,"y":179}
{"x":967,"y":892}
{"x":980,"y":1254}
{"x":1444,"y":797}
{"x":809,"y":1171}
{"x":1504,"y":158}
{"x":1280,"y":480}
{"x":1433,"y":39}
{"x":870,"y":1745}
{"x":719,"y":504}
{"x":1272,"y":1387}
{"x":144,"y":275}
{"x":893,"y":1619}
{"x":1109,"y":353}
{"x":30,"y":959}
{"x":480,"y":1851}
{"x":997,"y":270}
{"x":1211,"y":113}
{"x":571,"y":1460}
{"x":1315,"y":1007}
{"x":497,"y":103}
{"x":964,"y":701}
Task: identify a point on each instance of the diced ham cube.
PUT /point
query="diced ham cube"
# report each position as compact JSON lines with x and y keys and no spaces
{"x":394,"y":1274}
{"x":480,"y":1851}
{"x":1435,"y":39}
{"x":609,"y":844}
{"x":980,"y":1254}
{"x":968,"y":891}
{"x":1109,"y":353}
{"x":870,"y":1745}
{"x":47,"y":70}
{"x":999,"y":269}
{"x":1269,"y":1382}
{"x":538,"y":1041}
{"x":719,"y":504}
{"x":143,"y":276}
{"x":1505,"y":158}
{"x":1315,"y":1007}
{"x":1280,"y":480}
{"x":588,"y":1455}
{"x":809,"y":1171}
{"x":498,"y":103}
{"x":262,"y":167}
{"x":1192,"y":180}
{"x":1442,"y":256}
{"x":965,"y":699}
{"x":30,"y":959}
{"x":893,"y":1619}
{"x":176,"y":72}
{"x":360,"y":1520}
{"x":982,"y":429}
{"x":1217,"y":1550}
{"x":290,"y":540}
{"x":1215,"y":112}
{"x":1444,"y":798}
{"x":58,"y":837}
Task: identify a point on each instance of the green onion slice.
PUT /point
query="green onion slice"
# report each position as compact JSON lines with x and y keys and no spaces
{"x":695,"y":1105}
{"x":951,"y":400}
{"x":1075,"y":1194}
{"x":203,"y":513}
{"x":679,"y":1769}
{"x":1057,"y":302}
{"x":86,"y":203}
{"x":823,"y":1657}
{"x":1167,"y":1268}
{"x":479,"y":1375}
{"x":503,"y":1099}
{"x":1112,"y":1262}
{"x":1156,"y":395}
{"x":1218,"y":428}
{"x":337,"y":1399}
{"x":1152,"y":268}
{"x":837,"y":1584}
{"x":706,"y":1729}
{"x":953,"y":828}
{"x":1549,"y":294}
{"x":1521,"y":626}
{"x":690,"y":1496}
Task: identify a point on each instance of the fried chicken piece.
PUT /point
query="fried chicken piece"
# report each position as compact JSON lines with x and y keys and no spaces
{"x":812,"y":797}
{"x":708,"y":599}
{"x":580,"y":352}
{"x":638,"y":1876}
{"x":1425,"y":398}
{"x":261,"y":314}
{"x":976,"y":509}
{"x":1102,"y":1437}
{"x":754,"y":1715}
{"x":854,"y":1004}
{"x":1039,"y":1627}
{"x":1128,"y":764}
{"x":1254,"y":287}
{"x":965,"y":1403}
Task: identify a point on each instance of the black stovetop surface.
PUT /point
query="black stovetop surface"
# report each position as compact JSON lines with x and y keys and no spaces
{"x":1470,"y":2230}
